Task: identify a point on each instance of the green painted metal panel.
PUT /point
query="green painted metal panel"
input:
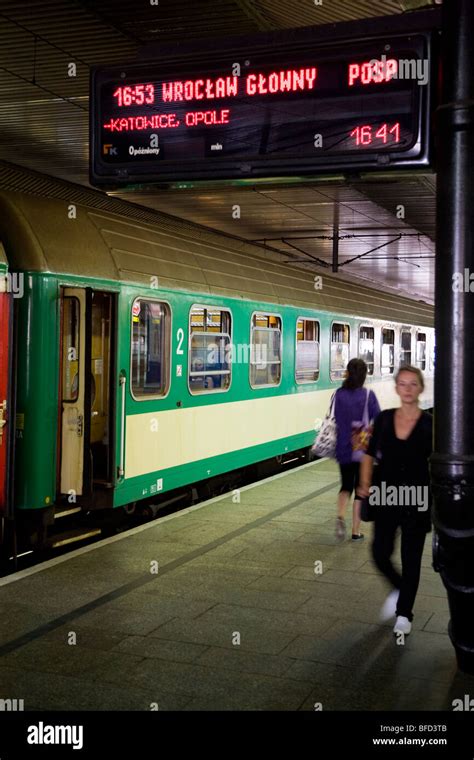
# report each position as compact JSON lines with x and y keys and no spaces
{"x":37,"y":318}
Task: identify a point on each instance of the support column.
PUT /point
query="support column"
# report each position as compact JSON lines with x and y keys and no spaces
{"x":335,"y":235}
{"x":452,"y":464}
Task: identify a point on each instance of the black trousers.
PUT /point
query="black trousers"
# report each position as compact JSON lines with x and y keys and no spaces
{"x":349,"y":476}
{"x":413,"y":540}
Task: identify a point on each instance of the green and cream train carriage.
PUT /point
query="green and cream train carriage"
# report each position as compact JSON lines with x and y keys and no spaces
{"x":151,"y":353}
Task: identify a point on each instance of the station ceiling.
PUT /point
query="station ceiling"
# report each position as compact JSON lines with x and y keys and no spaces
{"x":44,"y":126}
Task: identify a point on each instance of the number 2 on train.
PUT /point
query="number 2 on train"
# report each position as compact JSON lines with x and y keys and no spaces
{"x":180,"y":338}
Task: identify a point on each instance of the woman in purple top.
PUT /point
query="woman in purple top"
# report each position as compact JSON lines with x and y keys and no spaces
{"x":349,"y":406}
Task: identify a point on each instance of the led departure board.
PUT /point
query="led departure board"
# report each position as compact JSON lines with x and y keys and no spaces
{"x":301,"y":110}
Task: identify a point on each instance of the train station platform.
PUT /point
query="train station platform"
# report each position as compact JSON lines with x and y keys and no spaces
{"x":229,"y":605}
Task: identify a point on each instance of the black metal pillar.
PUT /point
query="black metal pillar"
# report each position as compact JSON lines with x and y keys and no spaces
{"x":452,"y":464}
{"x":335,"y":235}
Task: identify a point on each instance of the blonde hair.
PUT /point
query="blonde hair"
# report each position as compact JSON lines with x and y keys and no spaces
{"x":414,"y":371}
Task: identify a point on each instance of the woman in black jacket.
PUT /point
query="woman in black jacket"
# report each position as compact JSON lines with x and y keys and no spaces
{"x":402,"y":444}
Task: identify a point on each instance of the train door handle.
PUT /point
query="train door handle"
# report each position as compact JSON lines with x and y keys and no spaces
{"x":80,"y":425}
{"x":3,"y":422}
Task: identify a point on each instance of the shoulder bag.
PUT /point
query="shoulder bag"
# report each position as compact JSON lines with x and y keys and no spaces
{"x":325,"y":443}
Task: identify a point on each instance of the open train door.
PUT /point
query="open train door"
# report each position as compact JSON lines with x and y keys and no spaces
{"x":5,"y":375}
{"x":85,"y":433}
{"x":75,"y":402}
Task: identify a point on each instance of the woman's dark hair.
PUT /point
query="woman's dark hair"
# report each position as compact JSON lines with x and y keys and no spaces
{"x":356,"y":374}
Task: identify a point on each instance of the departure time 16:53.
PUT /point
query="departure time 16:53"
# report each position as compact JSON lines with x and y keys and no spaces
{"x":138,"y":95}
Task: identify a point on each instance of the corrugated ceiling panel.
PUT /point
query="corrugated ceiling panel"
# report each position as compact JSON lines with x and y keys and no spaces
{"x":174,"y":20}
{"x":284,"y":14}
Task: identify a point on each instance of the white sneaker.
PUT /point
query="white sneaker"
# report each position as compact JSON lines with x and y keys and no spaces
{"x":402,"y":625}
{"x":389,"y":607}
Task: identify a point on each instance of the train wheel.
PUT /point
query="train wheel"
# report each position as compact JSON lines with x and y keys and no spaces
{"x":149,"y":511}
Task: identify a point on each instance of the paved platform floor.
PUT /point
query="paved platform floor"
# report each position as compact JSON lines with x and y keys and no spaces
{"x":254,"y":607}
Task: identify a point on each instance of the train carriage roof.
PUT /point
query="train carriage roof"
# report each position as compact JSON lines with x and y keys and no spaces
{"x":49,"y":225}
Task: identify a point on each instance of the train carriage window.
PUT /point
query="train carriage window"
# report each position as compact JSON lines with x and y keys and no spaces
{"x":150,"y":348}
{"x":388,"y":351}
{"x":210,"y":349}
{"x":366,"y":347}
{"x":421,"y":350}
{"x":405,"y":347}
{"x":265,"y":350}
{"x":70,"y":348}
{"x":307,"y":350}
{"x":340,"y":343}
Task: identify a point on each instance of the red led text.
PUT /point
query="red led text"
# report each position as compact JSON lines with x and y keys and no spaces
{"x":367,"y":134}
{"x":289,"y":80}
{"x":280,"y":81}
{"x":196,"y":118}
{"x":200,"y":89}
{"x":169,"y":121}
{"x":131,"y":123}
{"x":138,"y":95}
{"x":373,"y":71}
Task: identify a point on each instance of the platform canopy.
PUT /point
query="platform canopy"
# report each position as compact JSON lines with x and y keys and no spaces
{"x":47,"y":50}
